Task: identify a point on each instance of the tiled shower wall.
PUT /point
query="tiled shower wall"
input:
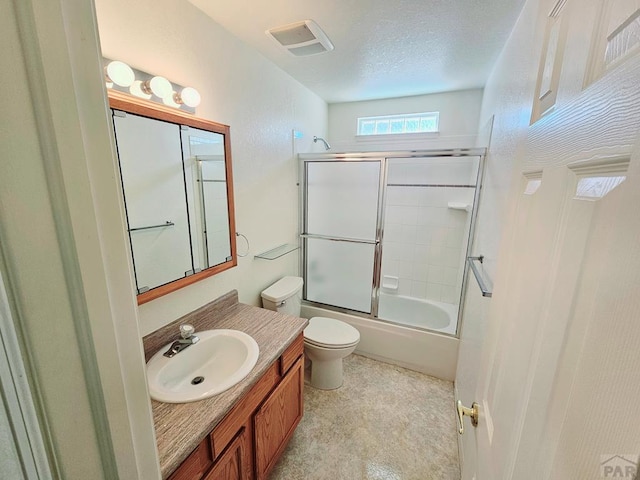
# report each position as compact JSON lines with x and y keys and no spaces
{"x":425,"y":240}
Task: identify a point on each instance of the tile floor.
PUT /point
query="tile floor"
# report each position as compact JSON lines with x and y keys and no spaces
{"x":385,"y":423}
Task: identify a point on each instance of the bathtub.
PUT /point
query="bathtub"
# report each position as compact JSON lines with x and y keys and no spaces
{"x":414,"y":312}
{"x":428,"y":352}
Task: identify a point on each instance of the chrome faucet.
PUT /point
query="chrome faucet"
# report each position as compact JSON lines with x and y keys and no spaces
{"x":188,"y":339}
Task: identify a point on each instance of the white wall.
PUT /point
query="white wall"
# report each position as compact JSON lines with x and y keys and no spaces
{"x":262,"y":105}
{"x":459,"y":113}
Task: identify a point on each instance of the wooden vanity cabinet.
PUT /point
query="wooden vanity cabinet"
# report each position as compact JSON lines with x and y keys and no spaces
{"x":248,"y":442}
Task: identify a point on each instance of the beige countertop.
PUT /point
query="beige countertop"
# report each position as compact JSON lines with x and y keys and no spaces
{"x":180,"y":427}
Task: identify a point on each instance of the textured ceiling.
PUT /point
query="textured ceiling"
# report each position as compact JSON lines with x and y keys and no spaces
{"x":383,"y":48}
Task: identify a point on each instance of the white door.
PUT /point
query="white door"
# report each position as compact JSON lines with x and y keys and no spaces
{"x":558,"y":381}
{"x":556,"y":367}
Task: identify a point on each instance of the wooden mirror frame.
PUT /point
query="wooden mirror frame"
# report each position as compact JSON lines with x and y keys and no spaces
{"x":138,"y":106}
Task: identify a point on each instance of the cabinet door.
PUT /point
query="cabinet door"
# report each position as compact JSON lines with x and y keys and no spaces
{"x":276,"y":420}
{"x":150,"y":156}
{"x":196,"y":464}
{"x":234,"y":462}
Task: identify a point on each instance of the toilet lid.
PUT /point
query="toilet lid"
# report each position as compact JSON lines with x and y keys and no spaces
{"x":324,"y":331}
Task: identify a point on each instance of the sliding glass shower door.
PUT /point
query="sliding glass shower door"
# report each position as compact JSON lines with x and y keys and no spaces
{"x":386,"y":235}
{"x":341,"y":232}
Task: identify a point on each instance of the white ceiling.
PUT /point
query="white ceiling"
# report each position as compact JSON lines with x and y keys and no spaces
{"x":383,"y":48}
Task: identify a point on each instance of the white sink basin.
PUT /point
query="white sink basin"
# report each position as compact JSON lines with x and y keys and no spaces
{"x":221,"y":359}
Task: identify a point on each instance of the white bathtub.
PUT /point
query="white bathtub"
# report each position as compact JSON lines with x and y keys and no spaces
{"x":427,"y":352}
{"x":414,"y":312}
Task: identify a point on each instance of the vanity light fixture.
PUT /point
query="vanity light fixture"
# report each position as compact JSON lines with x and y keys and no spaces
{"x":121,"y":77}
{"x":158,"y":86}
{"x":171,"y":100}
{"x":136,"y":89}
{"x":119,"y":73}
{"x":189,"y":96}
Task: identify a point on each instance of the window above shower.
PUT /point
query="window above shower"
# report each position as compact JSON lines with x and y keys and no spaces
{"x":410,"y":123}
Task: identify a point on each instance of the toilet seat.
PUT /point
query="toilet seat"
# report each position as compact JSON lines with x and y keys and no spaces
{"x":329,"y":346}
{"x":330,"y":333}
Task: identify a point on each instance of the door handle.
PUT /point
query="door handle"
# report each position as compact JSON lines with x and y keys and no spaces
{"x":469,"y":412}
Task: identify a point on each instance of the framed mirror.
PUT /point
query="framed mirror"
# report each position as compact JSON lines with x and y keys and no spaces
{"x":177,"y":181}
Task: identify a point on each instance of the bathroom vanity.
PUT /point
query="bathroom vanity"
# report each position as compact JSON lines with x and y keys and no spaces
{"x":240,"y":433}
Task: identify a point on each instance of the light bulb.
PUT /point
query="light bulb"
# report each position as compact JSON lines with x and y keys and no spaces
{"x":136,"y":89}
{"x":190,"y":97}
{"x":120,"y":73}
{"x":160,"y":87}
{"x":170,"y":100}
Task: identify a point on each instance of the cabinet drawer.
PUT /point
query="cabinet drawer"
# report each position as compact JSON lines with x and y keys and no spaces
{"x":291,"y":354}
{"x":196,"y":464}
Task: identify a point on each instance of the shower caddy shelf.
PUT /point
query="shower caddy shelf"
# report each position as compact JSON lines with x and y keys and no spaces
{"x":277,"y":252}
{"x":459,"y":206}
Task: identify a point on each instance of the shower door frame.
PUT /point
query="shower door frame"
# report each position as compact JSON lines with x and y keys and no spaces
{"x":377,"y":241}
{"x":382,"y":157}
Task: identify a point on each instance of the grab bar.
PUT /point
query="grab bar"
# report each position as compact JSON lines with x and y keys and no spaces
{"x":162,"y":225}
{"x":340,"y":239}
{"x":486,"y":291}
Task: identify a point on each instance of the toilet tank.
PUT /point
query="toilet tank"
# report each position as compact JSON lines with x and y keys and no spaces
{"x":284,"y":296}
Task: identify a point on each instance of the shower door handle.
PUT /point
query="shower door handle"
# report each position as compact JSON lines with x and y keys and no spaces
{"x":466,"y":411}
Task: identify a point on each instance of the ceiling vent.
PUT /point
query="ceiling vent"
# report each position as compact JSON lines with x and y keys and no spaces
{"x":301,"y":38}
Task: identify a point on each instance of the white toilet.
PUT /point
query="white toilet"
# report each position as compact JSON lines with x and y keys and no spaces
{"x":326,"y":341}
